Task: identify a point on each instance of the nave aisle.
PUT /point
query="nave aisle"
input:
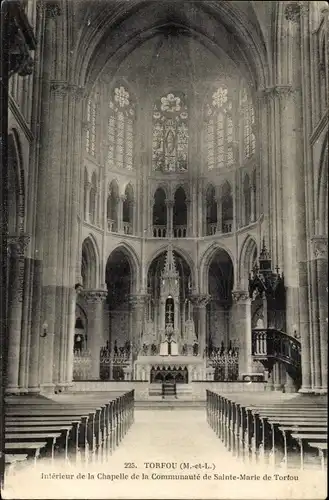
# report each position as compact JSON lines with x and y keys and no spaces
{"x":164,"y":436}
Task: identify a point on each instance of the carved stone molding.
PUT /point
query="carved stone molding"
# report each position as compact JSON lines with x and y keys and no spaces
{"x":294,"y":10}
{"x":63,"y":88}
{"x":200,"y":300}
{"x":50,"y":8}
{"x":169,"y":203}
{"x":240,"y":296}
{"x":138,"y":300}
{"x":17,"y":244}
{"x":94,"y":296}
{"x":59,"y":87}
{"x":320,"y":247}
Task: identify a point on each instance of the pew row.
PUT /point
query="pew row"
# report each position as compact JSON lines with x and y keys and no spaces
{"x":263,"y":429}
{"x":84,"y":428}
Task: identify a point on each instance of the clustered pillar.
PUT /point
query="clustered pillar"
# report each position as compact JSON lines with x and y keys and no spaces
{"x":199,"y":305}
{"x":242,"y":325}
{"x":95,"y":300}
{"x":319,"y":272}
{"x":138,"y":303}
{"x":17,"y":247}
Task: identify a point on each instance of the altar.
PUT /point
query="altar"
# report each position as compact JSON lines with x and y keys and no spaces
{"x":180,"y":369}
{"x":169,"y":347}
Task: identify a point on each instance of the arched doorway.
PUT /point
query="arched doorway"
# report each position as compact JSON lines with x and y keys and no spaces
{"x":222,"y":348}
{"x":118,"y":277}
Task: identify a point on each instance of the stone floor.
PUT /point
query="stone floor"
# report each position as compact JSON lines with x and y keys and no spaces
{"x":182,"y":441}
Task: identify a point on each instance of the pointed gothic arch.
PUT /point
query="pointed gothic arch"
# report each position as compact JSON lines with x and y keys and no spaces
{"x":89,"y":263}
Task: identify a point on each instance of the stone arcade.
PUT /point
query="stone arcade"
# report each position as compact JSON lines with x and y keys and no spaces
{"x":165,"y":207}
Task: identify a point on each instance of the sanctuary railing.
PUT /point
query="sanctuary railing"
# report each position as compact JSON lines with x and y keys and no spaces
{"x":115,"y":364}
{"x":82,"y":364}
{"x":225,"y":363}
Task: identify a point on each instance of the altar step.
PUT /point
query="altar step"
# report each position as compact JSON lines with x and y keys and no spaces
{"x":182,"y":390}
{"x":169,"y":403}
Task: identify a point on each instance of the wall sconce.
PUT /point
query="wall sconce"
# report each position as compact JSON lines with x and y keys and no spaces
{"x":44,"y":330}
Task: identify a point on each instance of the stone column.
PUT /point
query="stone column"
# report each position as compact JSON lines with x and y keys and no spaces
{"x":17,"y":246}
{"x":138,"y":302}
{"x":242,"y":323}
{"x":253,"y":204}
{"x":68,"y":365}
{"x":87,"y":187}
{"x":95,"y":299}
{"x":133,"y":213}
{"x":26,"y":325}
{"x":121,"y":199}
{"x":219,"y":215}
{"x":34,"y":361}
{"x":320,"y":248}
{"x":170,"y":206}
{"x":199,"y":305}
{"x":188,"y":217}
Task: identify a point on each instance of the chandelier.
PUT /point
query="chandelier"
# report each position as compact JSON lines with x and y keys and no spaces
{"x":263,"y":280}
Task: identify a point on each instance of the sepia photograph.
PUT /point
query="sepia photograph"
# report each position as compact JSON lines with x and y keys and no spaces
{"x":164,"y":249}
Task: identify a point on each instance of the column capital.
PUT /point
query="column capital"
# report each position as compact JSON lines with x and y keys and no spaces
{"x":17,"y":244}
{"x":138,"y":300}
{"x":169,"y":203}
{"x":294,"y":10}
{"x":200,"y":300}
{"x":241,"y":296}
{"x":320,"y":247}
{"x":59,"y":87}
{"x":94,"y":296}
{"x":51,"y":8}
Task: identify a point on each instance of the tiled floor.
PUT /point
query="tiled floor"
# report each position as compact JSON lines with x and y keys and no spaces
{"x":177,"y":439}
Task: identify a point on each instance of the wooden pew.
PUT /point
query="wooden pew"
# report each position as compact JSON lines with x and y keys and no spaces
{"x":115,"y":416}
{"x":11,"y":460}
{"x":323,"y":451}
{"x":313,"y":437}
{"x":64,"y":430}
{"x":17,"y":437}
{"x":309,"y":429}
{"x":241,"y":419}
{"x":31,"y":449}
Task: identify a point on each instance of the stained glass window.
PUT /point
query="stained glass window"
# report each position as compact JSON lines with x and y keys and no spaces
{"x":91,"y":127}
{"x":170,"y":133}
{"x":121,"y":129}
{"x":248,"y":113}
{"x":219,"y":129}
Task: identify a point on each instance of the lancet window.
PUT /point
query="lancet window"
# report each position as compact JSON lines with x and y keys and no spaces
{"x":121,"y":129}
{"x":219,"y":129}
{"x":170,"y":133}
{"x":248,"y":114}
{"x":91,"y":126}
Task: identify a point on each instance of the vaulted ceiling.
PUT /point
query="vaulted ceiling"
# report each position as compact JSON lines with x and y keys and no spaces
{"x":196,"y":32}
